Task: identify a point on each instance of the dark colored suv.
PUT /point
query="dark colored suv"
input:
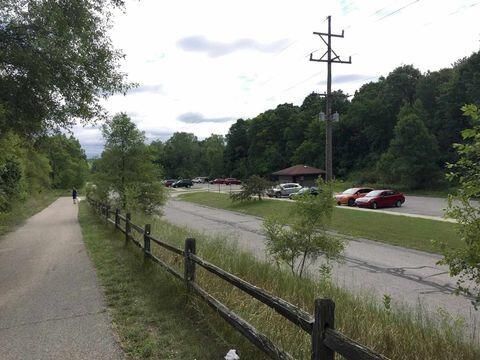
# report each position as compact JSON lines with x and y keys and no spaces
{"x":183,"y":183}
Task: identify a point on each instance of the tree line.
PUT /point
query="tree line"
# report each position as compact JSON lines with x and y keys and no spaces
{"x":397,"y":130}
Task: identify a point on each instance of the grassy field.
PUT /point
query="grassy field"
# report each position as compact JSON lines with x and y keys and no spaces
{"x":149,"y":308}
{"x":396,"y":332}
{"x":414,"y":233}
{"x":23,"y":210}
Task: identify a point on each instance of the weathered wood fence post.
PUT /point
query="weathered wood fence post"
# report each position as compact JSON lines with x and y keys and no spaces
{"x":190,"y":248}
{"x":117,"y":218}
{"x":128,"y":216}
{"x":324,"y":318}
{"x":146,"y":240}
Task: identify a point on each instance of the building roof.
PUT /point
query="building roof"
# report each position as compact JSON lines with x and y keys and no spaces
{"x":299,"y":170}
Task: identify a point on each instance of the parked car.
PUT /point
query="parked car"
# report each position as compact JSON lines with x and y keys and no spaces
{"x":169,"y":182}
{"x":349,"y":196}
{"x":232,"y":181}
{"x":217,"y":181}
{"x":200,"y":180}
{"x":284,"y":190}
{"x":305,"y":190}
{"x":186,"y":183}
{"x":381,"y":198}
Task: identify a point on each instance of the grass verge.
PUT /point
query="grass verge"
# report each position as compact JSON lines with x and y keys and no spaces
{"x":149,"y":308}
{"x":22,"y":210}
{"x":399,"y":333}
{"x":410,"y":232}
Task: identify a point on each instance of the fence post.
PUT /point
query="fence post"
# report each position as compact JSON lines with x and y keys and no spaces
{"x":190,"y":248}
{"x":117,"y":219}
{"x":146,"y":239}
{"x":324,"y":318}
{"x":128,"y":216}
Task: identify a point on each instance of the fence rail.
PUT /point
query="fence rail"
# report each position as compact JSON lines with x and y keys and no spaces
{"x":326,"y":341}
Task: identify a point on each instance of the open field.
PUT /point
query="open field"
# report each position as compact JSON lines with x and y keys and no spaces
{"x":403,"y":231}
{"x":399,"y":333}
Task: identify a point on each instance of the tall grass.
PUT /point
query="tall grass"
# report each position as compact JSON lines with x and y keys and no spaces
{"x":399,"y":333}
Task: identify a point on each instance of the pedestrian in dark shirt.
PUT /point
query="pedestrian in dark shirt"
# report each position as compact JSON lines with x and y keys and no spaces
{"x":74,"y":195}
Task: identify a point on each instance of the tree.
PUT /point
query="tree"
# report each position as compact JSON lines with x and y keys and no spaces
{"x":305,"y":237}
{"x":411,"y":159}
{"x":236,"y":149}
{"x":212,"y":156}
{"x":126,"y":167}
{"x":68,"y":162}
{"x":464,"y":263}
{"x":182,"y":156}
{"x":56,"y":63}
{"x":253,"y":186}
{"x":23,"y":170}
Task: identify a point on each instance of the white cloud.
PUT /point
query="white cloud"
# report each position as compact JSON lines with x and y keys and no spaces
{"x":270,"y":65}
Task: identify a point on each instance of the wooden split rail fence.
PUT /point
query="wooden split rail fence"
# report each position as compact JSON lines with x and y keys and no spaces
{"x":326,"y":341}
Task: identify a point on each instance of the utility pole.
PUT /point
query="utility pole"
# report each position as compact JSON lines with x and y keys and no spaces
{"x":328,"y":121}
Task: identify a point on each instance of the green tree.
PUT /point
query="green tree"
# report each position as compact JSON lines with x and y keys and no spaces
{"x":236,"y":149}
{"x":23,"y":170}
{"x":126,"y":167}
{"x":56,"y":62}
{"x":68,"y":162}
{"x":464,"y":263}
{"x":302,"y":236}
{"x":254,"y":186}
{"x":411,"y":159}
{"x":212,"y":156}
{"x":182,"y":156}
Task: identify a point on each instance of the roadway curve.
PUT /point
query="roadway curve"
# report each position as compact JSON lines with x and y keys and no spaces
{"x":408,"y":276}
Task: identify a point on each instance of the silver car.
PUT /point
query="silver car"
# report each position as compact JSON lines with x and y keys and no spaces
{"x":284,"y":190}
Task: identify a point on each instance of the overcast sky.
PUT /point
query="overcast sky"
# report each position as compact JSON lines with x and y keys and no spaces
{"x":201,"y":65}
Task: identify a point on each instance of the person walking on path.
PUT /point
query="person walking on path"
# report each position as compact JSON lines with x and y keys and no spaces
{"x":74,"y":195}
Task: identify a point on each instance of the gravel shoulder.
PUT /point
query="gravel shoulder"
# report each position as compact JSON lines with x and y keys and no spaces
{"x":51,"y":306}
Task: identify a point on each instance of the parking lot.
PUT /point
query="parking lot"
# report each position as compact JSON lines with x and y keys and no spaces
{"x":421,"y":206}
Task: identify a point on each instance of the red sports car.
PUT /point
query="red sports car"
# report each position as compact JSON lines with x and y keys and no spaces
{"x":381,"y":198}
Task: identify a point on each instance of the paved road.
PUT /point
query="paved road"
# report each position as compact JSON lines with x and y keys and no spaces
{"x":409,"y":276}
{"x":51,"y":306}
{"x":423,"y":206}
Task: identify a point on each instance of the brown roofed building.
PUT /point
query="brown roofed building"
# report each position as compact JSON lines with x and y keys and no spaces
{"x":302,"y":174}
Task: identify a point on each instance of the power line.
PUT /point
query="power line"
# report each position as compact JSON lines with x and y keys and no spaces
{"x":398,"y":10}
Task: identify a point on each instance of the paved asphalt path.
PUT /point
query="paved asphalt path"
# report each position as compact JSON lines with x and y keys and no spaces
{"x":410,"y":277}
{"x":51,"y":306}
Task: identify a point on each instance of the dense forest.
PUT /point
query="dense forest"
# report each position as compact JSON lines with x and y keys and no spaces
{"x":397,"y":130}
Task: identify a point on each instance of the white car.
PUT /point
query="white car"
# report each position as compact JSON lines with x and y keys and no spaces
{"x":284,"y":190}
{"x":200,"y":180}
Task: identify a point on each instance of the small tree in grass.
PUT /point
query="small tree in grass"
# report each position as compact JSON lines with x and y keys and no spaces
{"x":254,"y":186}
{"x":305,"y":238}
{"x":465,"y":262}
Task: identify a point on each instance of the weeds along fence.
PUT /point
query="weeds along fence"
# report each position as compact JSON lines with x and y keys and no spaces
{"x":325,"y":340}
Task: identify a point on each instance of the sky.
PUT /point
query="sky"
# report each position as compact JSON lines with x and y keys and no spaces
{"x":201,"y":65}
